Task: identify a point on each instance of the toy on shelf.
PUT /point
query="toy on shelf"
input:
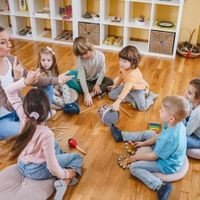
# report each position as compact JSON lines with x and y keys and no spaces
{"x":22,"y":5}
{"x":155,"y":126}
{"x":115,"y":19}
{"x":114,"y":40}
{"x":141,"y":20}
{"x":44,"y":12}
{"x":73,"y":143}
{"x":66,"y":12}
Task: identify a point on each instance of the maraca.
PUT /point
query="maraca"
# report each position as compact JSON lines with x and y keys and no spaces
{"x":73,"y":143}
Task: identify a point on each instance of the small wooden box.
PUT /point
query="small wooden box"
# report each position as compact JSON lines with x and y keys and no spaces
{"x":90,"y":31}
{"x":162,"y":42}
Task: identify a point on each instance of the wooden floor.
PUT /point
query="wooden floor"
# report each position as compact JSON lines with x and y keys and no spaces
{"x":102,"y":178}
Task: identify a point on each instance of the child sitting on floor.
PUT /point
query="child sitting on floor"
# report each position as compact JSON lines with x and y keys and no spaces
{"x":193,"y":121}
{"x":90,"y":67}
{"x":169,"y":147}
{"x":130,"y":86}
{"x":35,"y":145}
{"x":59,"y":95}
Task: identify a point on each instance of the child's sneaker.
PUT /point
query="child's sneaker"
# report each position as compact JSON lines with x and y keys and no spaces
{"x":51,"y":114}
{"x":71,"y":108}
{"x":164,"y":191}
{"x":116,"y":133}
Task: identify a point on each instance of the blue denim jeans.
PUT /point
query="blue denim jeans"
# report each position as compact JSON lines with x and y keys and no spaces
{"x":138,"y":136}
{"x":193,"y":142}
{"x":41,"y":172}
{"x":49,"y":91}
{"x":9,"y":125}
{"x":143,"y":170}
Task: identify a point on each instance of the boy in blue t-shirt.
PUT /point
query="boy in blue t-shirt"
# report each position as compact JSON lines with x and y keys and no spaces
{"x":169,"y":147}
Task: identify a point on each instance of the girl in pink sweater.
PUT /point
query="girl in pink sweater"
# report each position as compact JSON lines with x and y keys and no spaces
{"x":35,"y":145}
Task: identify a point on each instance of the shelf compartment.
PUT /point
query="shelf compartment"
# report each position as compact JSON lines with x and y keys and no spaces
{"x":137,"y":11}
{"x":21,"y":8}
{"x":43,"y":29}
{"x":112,"y":37}
{"x":41,"y":9}
{"x":161,"y":42}
{"x":6,"y":23}
{"x":114,"y":8}
{"x":165,"y":13}
{"x":91,"y":9}
{"x":63,"y":31}
{"x":171,"y":2}
{"x":90,"y":31}
{"x":139,"y":38}
{"x":62,"y":9}
{"x":4,"y":7}
{"x":23,"y":26}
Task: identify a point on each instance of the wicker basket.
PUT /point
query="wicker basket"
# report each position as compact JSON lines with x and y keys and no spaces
{"x":187,"y":49}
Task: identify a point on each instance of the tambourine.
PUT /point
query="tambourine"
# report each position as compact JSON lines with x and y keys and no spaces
{"x":107,"y":115}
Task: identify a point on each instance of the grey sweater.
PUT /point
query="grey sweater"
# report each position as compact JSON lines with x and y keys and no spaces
{"x":91,"y":69}
{"x":193,"y":124}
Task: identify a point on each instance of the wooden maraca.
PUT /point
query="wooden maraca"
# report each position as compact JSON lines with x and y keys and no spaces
{"x":73,"y":143}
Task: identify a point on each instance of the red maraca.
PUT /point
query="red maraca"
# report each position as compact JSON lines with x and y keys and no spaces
{"x":73,"y":143}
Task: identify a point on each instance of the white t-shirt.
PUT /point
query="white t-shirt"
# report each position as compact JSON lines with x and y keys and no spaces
{"x":6,"y":80}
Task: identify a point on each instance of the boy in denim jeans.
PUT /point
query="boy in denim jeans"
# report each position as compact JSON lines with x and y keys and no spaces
{"x":169,"y":147}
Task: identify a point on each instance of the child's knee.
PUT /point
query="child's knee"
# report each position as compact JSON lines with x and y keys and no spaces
{"x":133,"y":168}
{"x":141,"y":107}
{"x":112,"y":95}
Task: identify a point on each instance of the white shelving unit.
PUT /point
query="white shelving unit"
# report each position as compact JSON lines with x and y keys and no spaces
{"x":47,"y":26}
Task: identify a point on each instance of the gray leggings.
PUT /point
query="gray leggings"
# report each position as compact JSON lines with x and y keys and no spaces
{"x":137,"y":96}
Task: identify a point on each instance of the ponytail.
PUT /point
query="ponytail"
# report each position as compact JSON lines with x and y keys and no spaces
{"x":19,"y":142}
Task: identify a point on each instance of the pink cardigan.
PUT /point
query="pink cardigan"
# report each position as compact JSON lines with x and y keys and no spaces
{"x":41,"y":147}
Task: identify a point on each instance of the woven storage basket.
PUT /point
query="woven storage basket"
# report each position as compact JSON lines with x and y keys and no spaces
{"x":161,"y":42}
{"x":90,"y":31}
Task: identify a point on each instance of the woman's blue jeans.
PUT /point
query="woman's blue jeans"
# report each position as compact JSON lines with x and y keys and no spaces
{"x":9,"y":125}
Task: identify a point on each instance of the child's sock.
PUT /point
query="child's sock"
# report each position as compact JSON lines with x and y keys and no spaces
{"x":61,"y":188}
{"x":116,"y":133}
{"x":153,"y":95}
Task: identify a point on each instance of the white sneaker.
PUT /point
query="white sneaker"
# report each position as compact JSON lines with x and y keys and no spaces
{"x":51,"y":114}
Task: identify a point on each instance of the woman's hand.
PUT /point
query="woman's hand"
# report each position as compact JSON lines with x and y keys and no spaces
{"x":97,"y":89}
{"x":63,"y":78}
{"x":31,"y":78}
{"x":18,"y":69}
{"x":88,"y":100}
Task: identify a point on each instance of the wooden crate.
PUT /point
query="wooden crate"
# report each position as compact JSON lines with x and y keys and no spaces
{"x":91,"y":31}
{"x":161,"y":42}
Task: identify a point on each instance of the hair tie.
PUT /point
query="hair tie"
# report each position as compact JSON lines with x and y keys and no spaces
{"x":50,"y":49}
{"x":35,"y":115}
